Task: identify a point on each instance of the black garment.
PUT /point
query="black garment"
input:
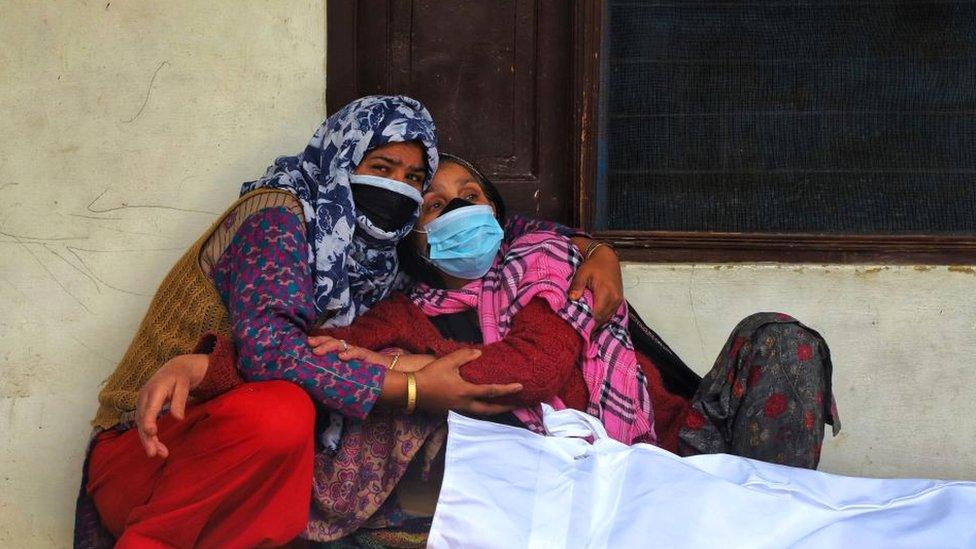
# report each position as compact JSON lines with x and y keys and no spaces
{"x":462,"y":326}
{"x":678,"y":378}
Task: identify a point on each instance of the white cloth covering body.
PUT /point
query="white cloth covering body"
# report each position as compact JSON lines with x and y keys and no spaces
{"x":507,"y":487}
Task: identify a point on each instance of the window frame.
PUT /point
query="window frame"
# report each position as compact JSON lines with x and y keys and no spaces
{"x":718,"y":247}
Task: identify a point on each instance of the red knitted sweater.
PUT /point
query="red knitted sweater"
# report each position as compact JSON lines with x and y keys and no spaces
{"x":541,"y":351}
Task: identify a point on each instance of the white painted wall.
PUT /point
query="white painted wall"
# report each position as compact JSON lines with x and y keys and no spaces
{"x":902,"y":341}
{"x":125,"y":126}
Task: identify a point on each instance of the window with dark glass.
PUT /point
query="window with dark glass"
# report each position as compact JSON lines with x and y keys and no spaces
{"x":827,"y":117}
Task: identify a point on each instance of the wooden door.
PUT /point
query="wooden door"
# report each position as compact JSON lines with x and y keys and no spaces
{"x":495,"y":74}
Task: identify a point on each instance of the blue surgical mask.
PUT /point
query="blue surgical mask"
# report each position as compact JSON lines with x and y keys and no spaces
{"x":463,"y":242}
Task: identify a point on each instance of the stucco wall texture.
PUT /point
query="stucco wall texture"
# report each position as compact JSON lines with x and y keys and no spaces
{"x":129,"y":125}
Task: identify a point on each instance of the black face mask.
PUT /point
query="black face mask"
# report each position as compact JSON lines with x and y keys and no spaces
{"x":387,"y":210}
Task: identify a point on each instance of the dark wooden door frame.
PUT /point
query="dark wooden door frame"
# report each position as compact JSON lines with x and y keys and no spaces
{"x":683,"y":246}
{"x":587,"y":32}
{"x":340,"y":54}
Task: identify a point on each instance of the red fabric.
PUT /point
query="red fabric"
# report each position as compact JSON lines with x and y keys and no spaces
{"x":239,"y":473}
{"x":537,"y":353}
{"x":669,"y":409}
{"x":222,"y":374}
{"x":539,"y":339}
{"x":541,"y":351}
{"x":394,"y":322}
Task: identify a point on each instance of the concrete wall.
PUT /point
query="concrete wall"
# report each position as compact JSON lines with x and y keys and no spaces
{"x":126,"y":126}
{"x":902,"y":340}
{"x":129,"y":125}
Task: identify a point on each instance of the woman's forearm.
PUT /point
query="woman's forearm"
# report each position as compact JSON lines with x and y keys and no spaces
{"x":541,"y":352}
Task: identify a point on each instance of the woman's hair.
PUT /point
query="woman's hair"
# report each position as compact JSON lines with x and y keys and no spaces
{"x":416,"y":267}
{"x":491,"y":192}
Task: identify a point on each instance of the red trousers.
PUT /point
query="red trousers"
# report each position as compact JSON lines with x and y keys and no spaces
{"x":239,"y":473}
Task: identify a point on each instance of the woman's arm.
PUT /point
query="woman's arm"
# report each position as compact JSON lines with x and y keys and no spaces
{"x":541,"y":352}
{"x":263,"y":278}
{"x":380,"y":328}
{"x":600,"y":272}
{"x":217,"y":356}
{"x":394,"y":322}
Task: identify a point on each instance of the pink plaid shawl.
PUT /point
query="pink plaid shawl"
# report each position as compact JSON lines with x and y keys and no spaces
{"x":541,"y":264}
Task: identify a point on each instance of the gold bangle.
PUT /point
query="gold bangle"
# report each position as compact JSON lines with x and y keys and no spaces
{"x":393,"y":363}
{"x":596,"y":245}
{"x":411,"y":392}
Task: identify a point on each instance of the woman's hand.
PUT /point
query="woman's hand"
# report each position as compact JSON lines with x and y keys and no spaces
{"x":406,"y":363}
{"x":601,"y":274}
{"x":324,"y":344}
{"x":440,"y":387}
{"x":171,"y":383}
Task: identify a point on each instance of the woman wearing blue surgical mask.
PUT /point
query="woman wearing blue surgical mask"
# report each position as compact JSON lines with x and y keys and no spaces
{"x":458,"y":232}
{"x":506,"y":297}
{"x":474,"y":289}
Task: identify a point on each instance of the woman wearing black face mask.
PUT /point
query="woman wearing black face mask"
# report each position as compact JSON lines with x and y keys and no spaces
{"x":353,"y":194}
{"x":455,"y":244}
{"x":293,"y":252}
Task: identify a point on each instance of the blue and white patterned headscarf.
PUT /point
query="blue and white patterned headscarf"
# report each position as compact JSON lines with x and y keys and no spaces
{"x":354,"y":263}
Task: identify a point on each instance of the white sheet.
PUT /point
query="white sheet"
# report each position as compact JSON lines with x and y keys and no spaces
{"x":506,"y":487}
